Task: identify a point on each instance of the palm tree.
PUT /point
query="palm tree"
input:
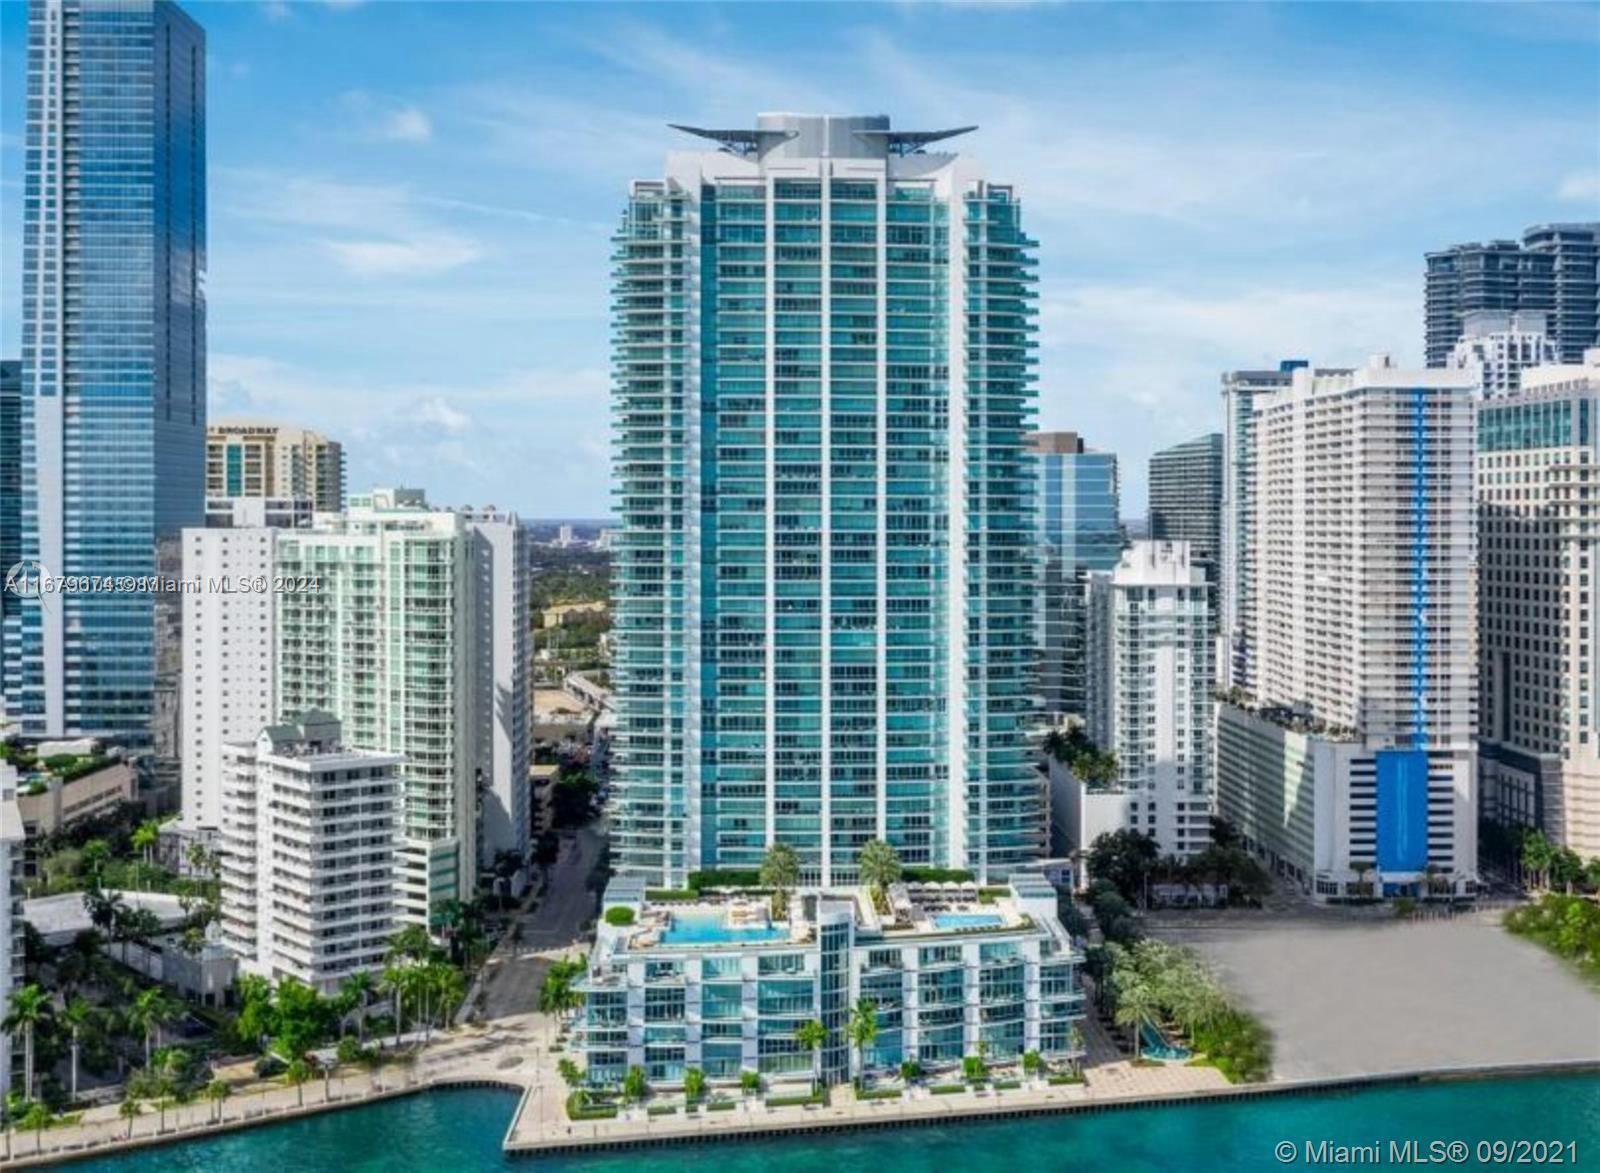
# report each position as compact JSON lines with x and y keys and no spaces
{"x":38,"y":1117}
{"x":81,"y":1016}
{"x":295,"y":1075}
{"x":1537,"y":856}
{"x":1136,"y":1004}
{"x":399,"y":981}
{"x":812,"y":1035}
{"x":780,"y":871}
{"x":95,"y":855}
{"x":152,"y":1010}
{"x":358,"y":989}
{"x":145,"y":838}
{"x":863,"y":1031}
{"x":1361,"y":867}
{"x":129,"y":1111}
{"x":30,"y":1009}
{"x":217,"y":1091}
{"x":879,"y":864}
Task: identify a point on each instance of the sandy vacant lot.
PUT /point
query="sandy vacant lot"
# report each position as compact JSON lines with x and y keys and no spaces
{"x":1347,"y":997}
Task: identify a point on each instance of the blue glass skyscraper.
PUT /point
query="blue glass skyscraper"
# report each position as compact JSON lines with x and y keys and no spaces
{"x":824,"y":380}
{"x":113,"y":348}
{"x":1080,"y":531}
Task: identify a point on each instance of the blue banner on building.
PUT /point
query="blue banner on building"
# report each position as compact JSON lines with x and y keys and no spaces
{"x":1402,"y":810}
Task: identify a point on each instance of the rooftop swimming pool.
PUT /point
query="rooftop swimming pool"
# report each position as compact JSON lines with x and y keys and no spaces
{"x":712,"y":928}
{"x":968,"y":920}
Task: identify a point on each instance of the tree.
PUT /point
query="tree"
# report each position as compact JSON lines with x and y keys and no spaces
{"x":1537,"y":856}
{"x":1124,"y":859}
{"x":863,"y":1030}
{"x":634,"y":1085}
{"x":357,"y":991}
{"x":1032,"y":1062}
{"x":1361,"y":867}
{"x":31,"y":1009}
{"x":153,"y":1009}
{"x":296,"y":1074}
{"x":812,"y":1035}
{"x":880,"y":864}
{"x":81,"y":1018}
{"x":36,"y":1119}
{"x":694,"y":1084}
{"x":216,"y":1092}
{"x":1136,"y":1004}
{"x":780,"y":871}
{"x":95,"y":855}
{"x":129,"y":1110}
{"x":749,"y":1082}
{"x":571,"y":1073}
{"x":145,"y":838}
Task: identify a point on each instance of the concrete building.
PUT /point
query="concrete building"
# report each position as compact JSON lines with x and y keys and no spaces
{"x":1186,"y":499}
{"x":1078,"y":504}
{"x":52,"y":803}
{"x":498,"y":574}
{"x":407,"y":641}
{"x":1574,"y":310}
{"x":10,"y":501}
{"x":12,"y":836}
{"x":1539,"y":554}
{"x":1152,"y":672}
{"x":1362,"y":723}
{"x":309,"y":833}
{"x":113,"y":325}
{"x":824,"y":573}
{"x":721,"y":986}
{"x":1236,"y":603}
{"x":254,"y":458}
{"x":229,"y":654}
{"x":1497,"y":346}
{"x":1553,"y":270}
{"x":245,"y":512}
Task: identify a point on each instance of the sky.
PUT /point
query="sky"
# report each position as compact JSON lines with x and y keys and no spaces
{"x":411,"y":203}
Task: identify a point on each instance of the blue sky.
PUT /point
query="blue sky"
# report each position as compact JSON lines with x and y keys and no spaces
{"x":411,"y":203}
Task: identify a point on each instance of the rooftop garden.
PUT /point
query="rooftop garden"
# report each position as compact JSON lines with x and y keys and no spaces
{"x":1095,"y":767}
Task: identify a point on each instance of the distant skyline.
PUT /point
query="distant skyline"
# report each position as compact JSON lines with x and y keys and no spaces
{"x":411,"y":204}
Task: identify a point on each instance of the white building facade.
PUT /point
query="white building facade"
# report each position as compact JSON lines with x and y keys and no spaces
{"x":1151,"y":673}
{"x":228,"y":656}
{"x":308,"y":854}
{"x":1496,"y":346}
{"x":1365,"y":625}
{"x":1539,"y":531}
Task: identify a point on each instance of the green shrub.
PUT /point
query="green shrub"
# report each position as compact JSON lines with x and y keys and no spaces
{"x":1059,"y":1080}
{"x":1006,"y":1085}
{"x":879,"y":1093}
{"x":913,"y":875}
{"x":724,"y":878}
{"x":619,"y":915}
{"x":797,"y":1100}
{"x":721,"y":1105}
{"x":910,"y":1070}
{"x":947,"y":1089}
{"x":663,"y":1109}
{"x":582,"y":1105}
{"x":1237,"y":1045}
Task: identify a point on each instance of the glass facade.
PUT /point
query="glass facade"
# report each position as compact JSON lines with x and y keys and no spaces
{"x":1080,"y":531}
{"x":113,"y":347}
{"x":823,"y":381}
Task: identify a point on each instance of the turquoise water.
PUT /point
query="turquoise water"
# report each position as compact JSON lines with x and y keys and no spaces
{"x":712,"y":928}
{"x":1156,"y":1045}
{"x":460,"y":1131}
{"x":968,"y":920}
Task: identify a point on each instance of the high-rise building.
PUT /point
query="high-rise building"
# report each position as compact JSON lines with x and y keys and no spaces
{"x":1186,"y":498}
{"x":1500,"y":275}
{"x":113,"y":347}
{"x":824,"y":380}
{"x":1574,"y":251}
{"x":1152,"y":673}
{"x":13,"y":837}
{"x":308,"y":853}
{"x":396,"y":641}
{"x":1236,"y":608}
{"x":1496,"y":347}
{"x":498,"y":556}
{"x":1355,"y":761}
{"x":1554,"y":270}
{"x":253,"y":458}
{"x":10,"y":500}
{"x":228,"y":657}
{"x":1077,"y":503}
{"x":1539,"y":554}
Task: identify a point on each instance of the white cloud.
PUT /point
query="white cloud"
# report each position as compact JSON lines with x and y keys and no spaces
{"x":408,"y":125}
{"x":1580,"y":187}
{"x":439,"y":413}
{"x":419,"y":255}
